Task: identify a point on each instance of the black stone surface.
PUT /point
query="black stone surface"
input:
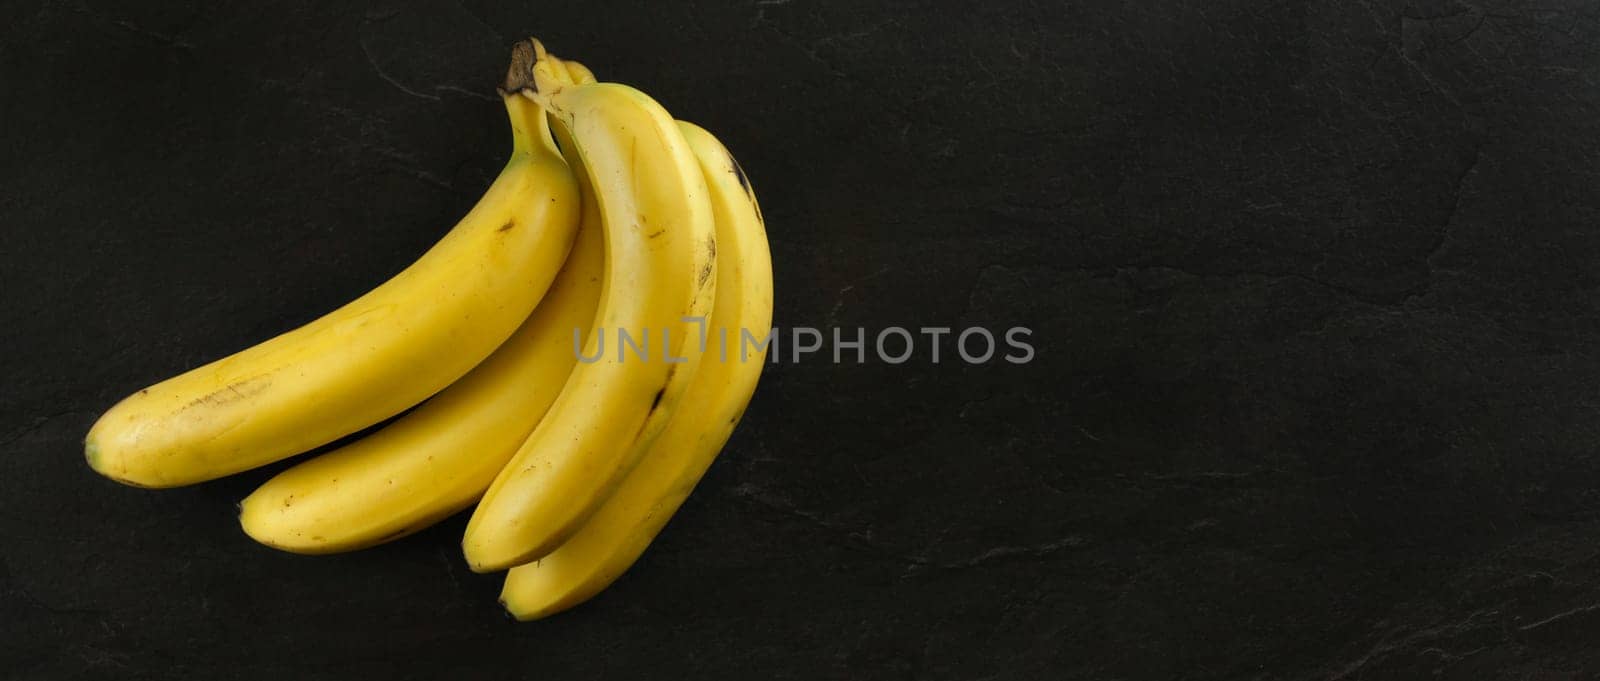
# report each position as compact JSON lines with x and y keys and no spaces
{"x":1312,"y":287}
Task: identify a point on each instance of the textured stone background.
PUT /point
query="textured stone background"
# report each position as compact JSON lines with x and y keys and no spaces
{"x":1312,"y":286}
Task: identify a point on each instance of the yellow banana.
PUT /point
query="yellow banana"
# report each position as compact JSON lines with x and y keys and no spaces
{"x":371,"y":358}
{"x":578,"y":73}
{"x":439,"y":458}
{"x":660,"y":275}
{"x":617,"y":533}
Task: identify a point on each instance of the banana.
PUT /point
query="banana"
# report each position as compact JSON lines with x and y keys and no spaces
{"x":617,"y":533}
{"x":439,"y":458}
{"x":373,"y":357}
{"x":660,"y":276}
{"x":578,"y":73}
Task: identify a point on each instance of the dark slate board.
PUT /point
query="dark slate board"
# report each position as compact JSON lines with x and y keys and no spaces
{"x":1311,"y":284}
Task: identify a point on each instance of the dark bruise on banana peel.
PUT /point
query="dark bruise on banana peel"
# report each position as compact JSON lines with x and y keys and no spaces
{"x":655,"y":401}
{"x":711,"y":262}
{"x":749,"y":192}
{"x":738,"y":170}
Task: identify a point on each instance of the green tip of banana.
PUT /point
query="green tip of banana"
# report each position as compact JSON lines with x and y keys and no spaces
{"x":91,"y":452}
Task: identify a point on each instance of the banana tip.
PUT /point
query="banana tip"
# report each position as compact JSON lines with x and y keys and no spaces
{"x":481,"y":564}
{"x":505,"y":611}
{"x":98,"y":460}
{"x":113,"y":467}
{"x":91,"y":452}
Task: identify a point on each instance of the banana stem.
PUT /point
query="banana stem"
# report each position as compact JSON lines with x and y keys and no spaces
{"x":531,"y":67}
{"x":530,"y":128}
{"x":519,"y":76}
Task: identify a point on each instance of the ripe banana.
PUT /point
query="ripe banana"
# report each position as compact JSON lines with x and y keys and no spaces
{"x":371,"y":358}
{"x":578,"y":73}
{"x":617,"y":533}
{"x":660,"y":275}
{"x":439,"y":458}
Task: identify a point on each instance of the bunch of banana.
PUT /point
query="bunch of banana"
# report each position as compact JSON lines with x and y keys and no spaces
{"x":575,"y":344}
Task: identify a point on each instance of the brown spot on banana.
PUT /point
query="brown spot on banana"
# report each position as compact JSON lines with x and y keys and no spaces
{"x":232,"y":392}
{"x":744,"y":182}
{"x":749,"y":192}
{"x":653,"y":414}
{"x":711,"y":262}
{"x":665,"y":383}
